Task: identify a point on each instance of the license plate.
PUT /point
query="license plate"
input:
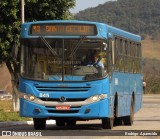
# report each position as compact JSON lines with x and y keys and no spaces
{"x":62,"y":107}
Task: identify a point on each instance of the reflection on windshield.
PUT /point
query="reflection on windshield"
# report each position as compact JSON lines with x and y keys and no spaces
{"x":64,"y":59}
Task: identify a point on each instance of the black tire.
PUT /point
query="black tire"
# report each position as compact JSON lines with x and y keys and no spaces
{"x":117,"y":120}
{"x":39,"y":123}
{"x":60,"y":123}
{"x":71,"y":122}
{"x":107,"y":123}
{"x":128,"y":120}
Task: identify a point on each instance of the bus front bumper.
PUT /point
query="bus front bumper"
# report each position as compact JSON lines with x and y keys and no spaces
{"x":99,"y":109}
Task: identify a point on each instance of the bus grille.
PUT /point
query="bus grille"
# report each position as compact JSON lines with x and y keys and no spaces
{"x":67,"y":99}
{"x":63,"y":111}
{"x":62,"y":89}
{"x":55,"y":107}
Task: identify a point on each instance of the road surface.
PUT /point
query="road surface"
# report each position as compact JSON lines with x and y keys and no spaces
{"x":147,"y":121}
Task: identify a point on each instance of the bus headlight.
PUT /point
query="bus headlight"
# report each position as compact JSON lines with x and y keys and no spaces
{"x":97,"y":97}
{"x":28,"y":97}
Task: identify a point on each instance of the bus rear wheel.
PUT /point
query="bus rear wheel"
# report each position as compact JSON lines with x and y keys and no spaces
{"x":128,"y":120}
{"x":117,"y":120}
{"x":39,"y":123}
{"x":107,"y":123}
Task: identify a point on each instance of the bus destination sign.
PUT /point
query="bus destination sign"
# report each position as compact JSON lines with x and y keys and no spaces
{"x":64,"y":29}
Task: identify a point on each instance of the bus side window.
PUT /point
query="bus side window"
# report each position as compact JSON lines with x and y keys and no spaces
{"x":110,"y":61}
{"x":118,"y":54}
{"x":130,"y":57}
{"x":116,"y":48}
{"x":134,"y":57}
{"x":138,"y":58}
{"x":121,"y":55}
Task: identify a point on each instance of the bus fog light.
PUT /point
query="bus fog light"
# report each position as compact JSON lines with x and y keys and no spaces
{"x":87,"y":111}
{"x":37,"y":110}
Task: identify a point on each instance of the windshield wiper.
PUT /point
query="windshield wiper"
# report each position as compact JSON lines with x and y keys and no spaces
{"x":77,"y":46}
{"x":51,"y":49}
{"x":48,"y":46}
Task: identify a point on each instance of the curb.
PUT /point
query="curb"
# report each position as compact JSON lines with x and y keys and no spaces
{"x":4,"y":124}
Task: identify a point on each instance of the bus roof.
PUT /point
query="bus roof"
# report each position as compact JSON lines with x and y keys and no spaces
{"x":109,"y":29}
{"x":122,"y":33}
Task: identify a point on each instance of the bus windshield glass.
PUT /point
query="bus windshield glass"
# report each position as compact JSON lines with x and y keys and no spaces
{"x":64,"y":59}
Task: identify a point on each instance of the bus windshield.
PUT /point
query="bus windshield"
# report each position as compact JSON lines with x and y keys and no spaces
{"x":64,"y":59}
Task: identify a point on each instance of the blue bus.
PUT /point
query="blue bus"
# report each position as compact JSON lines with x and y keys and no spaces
{"x":78,"y":70}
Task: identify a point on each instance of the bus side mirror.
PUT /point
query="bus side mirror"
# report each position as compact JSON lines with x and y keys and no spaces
{"x":105,"y":46}
{"x":110,"y":36}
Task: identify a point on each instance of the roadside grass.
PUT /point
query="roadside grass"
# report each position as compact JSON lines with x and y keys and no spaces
{"x":7,"y":113}
{"x":5,"y":105}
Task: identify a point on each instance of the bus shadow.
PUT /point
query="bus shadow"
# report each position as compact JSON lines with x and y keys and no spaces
{"x":76,"y":127}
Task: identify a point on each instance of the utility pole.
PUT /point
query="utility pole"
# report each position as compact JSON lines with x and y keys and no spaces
{"x":22,"y":11}
{"x":15,"y":99}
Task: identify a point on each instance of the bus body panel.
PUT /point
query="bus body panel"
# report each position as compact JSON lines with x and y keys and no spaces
{"x":126,"y":85}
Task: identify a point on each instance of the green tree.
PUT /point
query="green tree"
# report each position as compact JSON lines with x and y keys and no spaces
{"x":10,"y":21}
{"x":48,"y":9}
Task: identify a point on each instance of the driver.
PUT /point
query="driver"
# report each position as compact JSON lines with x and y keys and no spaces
{"x":98,"y":65}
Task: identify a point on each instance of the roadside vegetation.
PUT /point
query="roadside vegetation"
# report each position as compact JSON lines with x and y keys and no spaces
{"x":152,"y":75}
{"x":7,"y":113}
{"x":151,"y":66}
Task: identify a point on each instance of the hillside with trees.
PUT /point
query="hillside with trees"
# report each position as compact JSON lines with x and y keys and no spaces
{"x":138,"y":16}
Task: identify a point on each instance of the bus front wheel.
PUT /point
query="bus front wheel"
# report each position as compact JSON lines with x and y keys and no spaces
{"x":71,"y":122}
{"x":60,"y":122}
{"x":39,"y":123}
{"x":107,"y":123}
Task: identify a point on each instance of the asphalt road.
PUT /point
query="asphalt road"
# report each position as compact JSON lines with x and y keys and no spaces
{"x":147,"y":122}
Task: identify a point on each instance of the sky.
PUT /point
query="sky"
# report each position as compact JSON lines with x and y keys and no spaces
{"x":84,"y":4}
